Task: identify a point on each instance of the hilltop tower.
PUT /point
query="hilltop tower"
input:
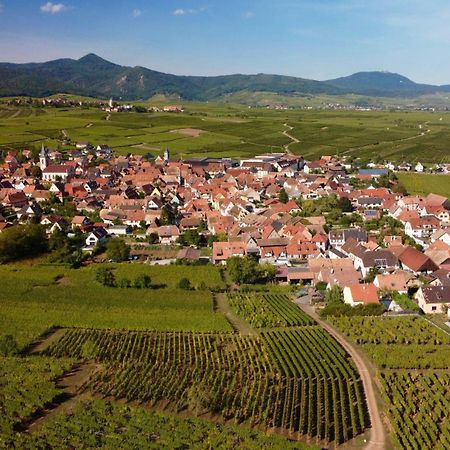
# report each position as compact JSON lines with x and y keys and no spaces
{"x":111,"y":104}
{"x":43,"y":158}
{"x":166,"y":155}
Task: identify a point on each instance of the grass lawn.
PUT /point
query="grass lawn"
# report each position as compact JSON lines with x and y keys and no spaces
{"x":423,"y":184}
{"x":35,"y":298}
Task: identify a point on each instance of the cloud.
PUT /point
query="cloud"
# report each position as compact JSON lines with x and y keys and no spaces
{"x":53,"y":8}
{"x":249,"y":15}
{"x":136,"y":13}
{"x":183,"y":12}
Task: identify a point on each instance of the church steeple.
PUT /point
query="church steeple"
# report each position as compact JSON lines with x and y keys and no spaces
{"x":166,"y":155}
{"x":43,"y":158}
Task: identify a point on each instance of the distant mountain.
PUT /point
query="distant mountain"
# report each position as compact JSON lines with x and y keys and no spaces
{"x":384,"y":84}
{"x":94,"y":76}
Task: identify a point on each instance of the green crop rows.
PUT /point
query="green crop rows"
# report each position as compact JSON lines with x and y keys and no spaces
{"x":240,"y":378}
{"x":419,"y":408}
{"x":268,"y":310}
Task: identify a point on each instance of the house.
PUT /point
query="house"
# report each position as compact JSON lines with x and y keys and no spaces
{"x":97,"y":236}
{"x":361,"y":294}
{"x":338,"y":238}
{"x":224,"y":250}
{"x":168,"y":234}
{"x":392,"y":282}
{"x":433,"y":299}
{"x":416,"y":261}
{"x":189,"y":254}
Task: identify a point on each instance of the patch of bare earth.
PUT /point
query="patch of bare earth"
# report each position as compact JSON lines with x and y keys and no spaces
{"x":192,"y":132}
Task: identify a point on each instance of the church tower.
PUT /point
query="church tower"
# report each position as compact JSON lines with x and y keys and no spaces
{"x":166,"y":155}
{"x":43,"y":158}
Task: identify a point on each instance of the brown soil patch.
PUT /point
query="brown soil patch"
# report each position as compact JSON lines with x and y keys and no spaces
{"x":193,"y":132}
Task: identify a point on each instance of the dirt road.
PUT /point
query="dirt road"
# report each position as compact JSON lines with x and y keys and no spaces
{"x":377,"y":433}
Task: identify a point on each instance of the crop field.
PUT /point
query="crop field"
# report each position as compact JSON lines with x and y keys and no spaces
{"x":399,"y":343}
{"x":246,"y":379}
{"x":419,"y":406}
{"x":268,"y":310}
{"x":424,"y":184}
{"x":38,"y":297}
{"x":236,"y":131}
{"x":414,"y":361}
{"x":124,"y":427}
{"x":29,"y":389}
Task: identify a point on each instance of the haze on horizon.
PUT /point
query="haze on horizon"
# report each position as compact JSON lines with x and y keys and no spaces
{"x":317,"y":39}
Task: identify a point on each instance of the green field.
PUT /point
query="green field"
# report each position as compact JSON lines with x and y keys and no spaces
{"x":413,"y":361}
{"x":38,"y":297}
{"x":235,"y":130}
{"x":424,"y":184}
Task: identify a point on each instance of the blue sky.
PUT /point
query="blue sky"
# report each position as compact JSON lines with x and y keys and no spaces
{"x":317,"y":39}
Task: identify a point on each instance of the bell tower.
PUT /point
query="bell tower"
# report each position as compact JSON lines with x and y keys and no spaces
{"x":43,"y":158}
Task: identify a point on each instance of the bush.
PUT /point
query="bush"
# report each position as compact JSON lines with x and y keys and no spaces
{"x":142,"y":281}
{"x":117,"y":250}
{"x":8,"y":346}
{"x":185,"y":284}
{"x":124,"y":283}
{"x":105,"y":277}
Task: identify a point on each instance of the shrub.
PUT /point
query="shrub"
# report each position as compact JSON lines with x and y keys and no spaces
{"x":8,"y":346}
{"x":142,"y":281}
{"x":105,"y":277}
{"x":185,"y":284}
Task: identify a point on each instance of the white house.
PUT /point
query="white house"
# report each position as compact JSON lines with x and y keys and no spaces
{"x":433,"y":299}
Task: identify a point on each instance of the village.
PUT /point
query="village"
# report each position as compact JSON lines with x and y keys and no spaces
{"x":321,"y":223}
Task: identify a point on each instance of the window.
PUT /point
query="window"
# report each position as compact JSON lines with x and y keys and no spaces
{"x":433,"y":308}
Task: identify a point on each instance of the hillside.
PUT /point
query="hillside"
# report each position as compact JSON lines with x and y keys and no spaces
{"x":94,"y":76}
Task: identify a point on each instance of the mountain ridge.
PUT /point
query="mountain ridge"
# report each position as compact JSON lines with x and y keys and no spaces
{"x":94,"y":76}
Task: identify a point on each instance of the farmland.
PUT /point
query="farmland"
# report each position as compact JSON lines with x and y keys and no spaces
{"x":36,"y":298}
{"x":268,"y":310}
{"x":412,"y":356}
{"x":267,"y":382}
{"x":226,"y":130}
{"x":424,"y":184}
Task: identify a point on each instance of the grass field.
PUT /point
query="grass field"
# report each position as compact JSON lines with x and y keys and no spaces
{"x":235,"y":130}
{"x":423,"y":184}
{"x":38,"y":297}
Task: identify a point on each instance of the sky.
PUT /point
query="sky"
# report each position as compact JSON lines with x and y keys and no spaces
{"x":317,"y":39}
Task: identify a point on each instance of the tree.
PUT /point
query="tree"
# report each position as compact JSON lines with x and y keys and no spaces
{"x":117,"y":250}
{"x":22,"y":241}
{"x":167,"y":216}
{"x":283,"y":196}
{"x":8,"y":346}
{"x":184,"y":284}
{"x":345,"y":204}
{"x":142,"y":281}
{"x":105,"y":277}
{"x":334,"y":295}
{"x":36,"y":172}
{"x":247,"y":270}
{"x":153,"y":238}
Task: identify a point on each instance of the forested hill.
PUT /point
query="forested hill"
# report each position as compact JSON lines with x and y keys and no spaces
{"x":94,"y":76}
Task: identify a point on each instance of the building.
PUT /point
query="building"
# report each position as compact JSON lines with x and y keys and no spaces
{"x":433,"y":299}
{"x":361,"y":294}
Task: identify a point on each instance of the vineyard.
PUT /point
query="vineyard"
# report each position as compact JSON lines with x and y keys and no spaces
{"x":268,"y":310}
{"x":398,"y":343}
{"x":29,"y":388}
{"x":299,"y":381}
{"x":123,"y":427}
{"x":419,"y":408}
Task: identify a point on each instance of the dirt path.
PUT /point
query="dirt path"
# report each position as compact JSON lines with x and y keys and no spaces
{"x":239,"y":325}
{"x":44,"y":341}
{"x":292,"y":138}
{"x":377,"y":432}
{"x":71,"y":385}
